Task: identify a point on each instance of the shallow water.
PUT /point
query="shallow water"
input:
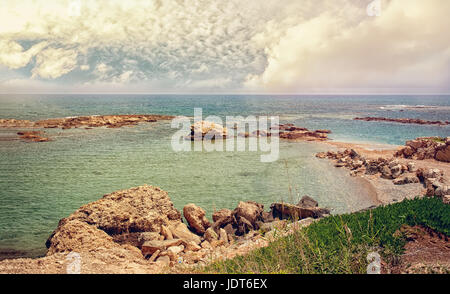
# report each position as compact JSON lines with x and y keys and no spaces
{"x":42,"y":183}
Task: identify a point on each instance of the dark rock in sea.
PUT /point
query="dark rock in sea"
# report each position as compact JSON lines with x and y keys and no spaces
{"x":403,"y":120}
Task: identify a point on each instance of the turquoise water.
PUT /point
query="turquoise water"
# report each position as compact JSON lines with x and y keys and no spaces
{"x":42,"y":183}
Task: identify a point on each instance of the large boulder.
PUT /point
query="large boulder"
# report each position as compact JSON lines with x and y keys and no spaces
{"x":120,"y":217}
{"x":78,"y":236}
{"x":307,"y":201}
{"x":294,"y":212}
{"x":195,"y":216}
{"x":205,"y":130}
{"x":249,"y":210}
{"x":141,"y":209}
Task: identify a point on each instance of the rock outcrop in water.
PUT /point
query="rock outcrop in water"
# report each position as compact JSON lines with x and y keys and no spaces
{"x":110,"y":121}
{"x":292,"y":132}
{"x":33,"y":136}
{"x":426,"y":148}
{"x":205,"y":130}
{"x":88,"y":122}
{"x":404,"y":120}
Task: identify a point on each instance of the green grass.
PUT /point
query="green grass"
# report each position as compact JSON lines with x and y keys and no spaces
{"x":438,"y":140}
{"x":340,"y":244}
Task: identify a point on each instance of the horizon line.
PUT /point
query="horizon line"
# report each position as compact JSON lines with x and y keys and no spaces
{"x":232,"y":93}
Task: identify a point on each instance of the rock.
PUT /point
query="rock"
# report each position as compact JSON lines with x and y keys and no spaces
{"x":307,"y":201}
{"x":222,"y":218}
{"x":243,"y":226}
{"x":442,"y":191}
{"x":427,"y":148}
{"x":231,"y":231}
{"x":323,"y":131}
{"x":206,"y":245}
{"x":137,"y":210}
{"x":409,"y":179}
{"x":195,"y":216}
{"x":141,"y":209}
{"x":291,"y":132}
{"x":154,"y":256}
{"x":432,"y":173}
{"x":192,"y":246}
{"x":408,"y":151}
{"x":176,"y":249}
{"x":289,"y":211}
{"x":210,"y":235}
{"x":249,"y":210}
{"x":443,"y":152}
{"x":386,"y":172}
{"x":166,"y":233}
{"x":205,"y":130}
{"x":266,"y":227}
{"x":393,"y":163}
{"x":223,"y":235}
{"x":217,"y":243}
{"x":181,"y":231}
{"x":78,"y":236}
{"x":396,"y":171}
{"x":221,"y":214}
{"x":164,"y":261}
{"x":446,"y":199}
{"x":267,"y":217}
{"x":403,"y":120}
{"x":151,"y":247}
{"x":411,"y":167}
{"x":147,"y":236}
{"x":414,"y":144}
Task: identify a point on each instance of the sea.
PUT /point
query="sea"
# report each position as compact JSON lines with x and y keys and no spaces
{"x":40,"y":183}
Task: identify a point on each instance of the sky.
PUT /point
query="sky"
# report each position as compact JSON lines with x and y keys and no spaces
{"x":233,"y":46}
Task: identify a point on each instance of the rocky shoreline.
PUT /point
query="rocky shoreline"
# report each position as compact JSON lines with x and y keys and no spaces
{"x":139,"y":231}
{"x":434,"y":181}
{"x":404,"y":120}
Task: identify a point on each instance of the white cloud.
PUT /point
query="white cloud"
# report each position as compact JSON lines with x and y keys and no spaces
{"x":52,"y":63}
{"x":404,"y":47}
{"x":13,"y":56}
{"x":275,"y":46}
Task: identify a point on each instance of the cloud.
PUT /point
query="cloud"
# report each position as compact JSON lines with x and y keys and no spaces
{"x":52,"y":63}
{"x":403,"y":48}
{"x":12,"y":54}
{"x":275,"y":46}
